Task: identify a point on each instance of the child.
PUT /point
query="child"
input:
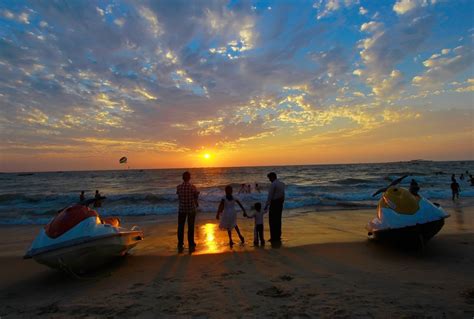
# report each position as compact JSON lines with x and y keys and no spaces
{"x":229,"y":215}
{"x":258,"y":230}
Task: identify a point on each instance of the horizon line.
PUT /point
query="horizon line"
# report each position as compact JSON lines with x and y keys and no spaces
{"x":243,"y":166}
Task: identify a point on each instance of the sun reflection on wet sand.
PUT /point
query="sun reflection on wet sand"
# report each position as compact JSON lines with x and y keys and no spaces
{"x":210,"y":242}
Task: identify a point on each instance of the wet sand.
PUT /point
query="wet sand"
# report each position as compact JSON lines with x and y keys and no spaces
{"x":325,"y":269}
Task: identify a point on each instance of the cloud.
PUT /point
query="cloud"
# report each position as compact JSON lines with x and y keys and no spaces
{"x":467,"y":86}
{"x":151,"y":19}
{"x":327,"y":7}
{"x":363,"y":11}
{"x":442,"y":67}
{"x":405,"y":6}
{"x":385,"y":48}
{"x":371,"y":26}
{"x":206,"y":74}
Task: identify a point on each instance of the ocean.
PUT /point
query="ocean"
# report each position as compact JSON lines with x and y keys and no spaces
{"x":35,"y":197}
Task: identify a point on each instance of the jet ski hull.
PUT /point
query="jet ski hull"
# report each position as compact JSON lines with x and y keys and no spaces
{"x":409,"y":234}
{"x":90,"y":253}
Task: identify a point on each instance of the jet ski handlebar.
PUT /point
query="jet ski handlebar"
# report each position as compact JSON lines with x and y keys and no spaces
{"x":393,"y":183}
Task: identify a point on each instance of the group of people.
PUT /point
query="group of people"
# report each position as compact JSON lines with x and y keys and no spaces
{"x":188,"y":197}
{"x":455,"y":187}
{"x":247,"y":189}
{"x":97,"y":198}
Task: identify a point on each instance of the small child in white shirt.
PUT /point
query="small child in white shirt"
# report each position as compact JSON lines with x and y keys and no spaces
{"x":258,"y":230}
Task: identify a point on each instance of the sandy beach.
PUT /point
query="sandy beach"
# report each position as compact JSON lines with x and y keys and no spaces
{"x":325,"y":268}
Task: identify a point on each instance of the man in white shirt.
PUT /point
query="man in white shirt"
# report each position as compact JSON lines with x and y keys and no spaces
{"x":275,"y":200}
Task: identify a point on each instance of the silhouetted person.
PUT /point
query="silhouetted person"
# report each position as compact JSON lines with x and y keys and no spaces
{"x":471,"y":179}
{"x":228,"y":221}
{"x":258,"y":224}
{"x":461,"y":177}
{"x":414,"y":187}
{"x":453,"y":178}
{"x":249,"y":189}
{"x":98,"y":199}
{"x":257,"y":188}
{"x":188,"y":202}
{"x":243,"y":189}
{"x":455,"y":189}
{"x":82,"y":197}
{"x":275,"y":200}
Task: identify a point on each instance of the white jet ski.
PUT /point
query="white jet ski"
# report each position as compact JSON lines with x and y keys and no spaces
{"x":405,"y":218}
{"x":77,"y":240}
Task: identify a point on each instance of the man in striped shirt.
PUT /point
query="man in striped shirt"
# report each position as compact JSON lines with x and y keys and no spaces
{"x":188,"y":202}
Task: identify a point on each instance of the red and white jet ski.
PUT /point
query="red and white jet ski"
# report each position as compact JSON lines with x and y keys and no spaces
{"x":77,"y":239}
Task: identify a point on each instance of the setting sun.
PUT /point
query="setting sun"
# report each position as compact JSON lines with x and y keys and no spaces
{"x":207,"y":156}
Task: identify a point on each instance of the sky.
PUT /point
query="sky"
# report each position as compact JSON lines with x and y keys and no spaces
{"x":83,"y":83}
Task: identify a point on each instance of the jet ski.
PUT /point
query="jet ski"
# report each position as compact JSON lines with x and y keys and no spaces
{"x":405,"y":218}
{"x":77,"y":240}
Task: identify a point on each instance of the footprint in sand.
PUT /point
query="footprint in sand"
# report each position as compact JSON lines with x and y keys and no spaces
{"x":137,"y":285}
{"x":274,"y":292}
{"x":231,"y":274}
{"x":285,"y":278}
{"x":51,"y":308}
{"x":468,"y":294}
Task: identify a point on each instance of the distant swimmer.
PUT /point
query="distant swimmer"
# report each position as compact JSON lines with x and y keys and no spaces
{"x":471,"y":179}
{"x":257,"y":188}
{"x":455,"y":189}
{"x":249,"y":188}
{"x":98,"y":199}
{"x":453,"y":178}
{"x":461,"y":177}
{"x":414,"y":187}
{"x":82,"y":197}
{"x":243,"y":189}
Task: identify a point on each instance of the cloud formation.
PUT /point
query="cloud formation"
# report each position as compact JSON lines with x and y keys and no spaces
{"x":179,"y":75}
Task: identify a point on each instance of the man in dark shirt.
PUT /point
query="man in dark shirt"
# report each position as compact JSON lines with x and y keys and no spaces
{"x":188,"y":202}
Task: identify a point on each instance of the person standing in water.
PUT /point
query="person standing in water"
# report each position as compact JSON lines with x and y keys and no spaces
{"x":275,"y":200}
{"x":414,"y":187}
{"x":455,"y":189}
{"x":188,"y":196}
{"x":228,"y":221}
{"x":257,"y":188}
{"x":82,"y":197}
{"x":98,"y":199}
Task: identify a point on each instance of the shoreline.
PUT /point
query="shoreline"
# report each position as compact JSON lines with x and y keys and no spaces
{"x":300,"y":228}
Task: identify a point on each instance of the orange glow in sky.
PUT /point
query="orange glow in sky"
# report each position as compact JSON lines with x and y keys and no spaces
{"x":390,"y":81}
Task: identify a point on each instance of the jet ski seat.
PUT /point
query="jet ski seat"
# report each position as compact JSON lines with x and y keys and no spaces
{"x":67,"y":219}
{"x":401,"y":201}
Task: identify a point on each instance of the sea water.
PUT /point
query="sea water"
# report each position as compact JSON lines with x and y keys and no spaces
{"x":34,"y":198}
